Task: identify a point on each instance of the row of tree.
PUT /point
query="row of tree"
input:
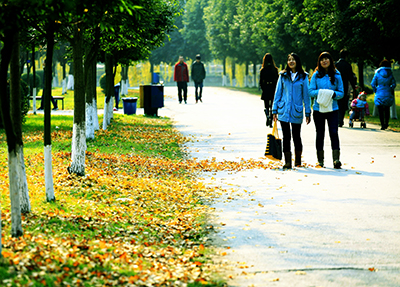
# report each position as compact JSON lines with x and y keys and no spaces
{"x":247,"y":29}
{"x":114,"y":32}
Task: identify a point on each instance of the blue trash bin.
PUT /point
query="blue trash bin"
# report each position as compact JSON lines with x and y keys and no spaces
{"x":129,"y":105}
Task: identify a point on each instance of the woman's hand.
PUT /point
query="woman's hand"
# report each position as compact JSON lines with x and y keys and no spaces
{"x":308,"y":120}
{"x":275,"y":117}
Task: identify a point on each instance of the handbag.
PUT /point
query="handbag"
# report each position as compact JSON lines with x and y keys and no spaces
{"x":273,"y":151}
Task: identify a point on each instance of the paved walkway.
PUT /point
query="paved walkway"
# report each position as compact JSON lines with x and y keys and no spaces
{"x":306,"y":226}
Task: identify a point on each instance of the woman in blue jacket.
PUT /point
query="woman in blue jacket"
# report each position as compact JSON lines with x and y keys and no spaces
{"x":383,"y":85}
{"x":291,"y":98}
{"x":326,"y":86}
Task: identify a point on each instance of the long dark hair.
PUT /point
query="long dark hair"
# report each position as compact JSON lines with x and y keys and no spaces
{"x":268,"y":61}
{"x":299,"y":67}
{"x":331,"y":68}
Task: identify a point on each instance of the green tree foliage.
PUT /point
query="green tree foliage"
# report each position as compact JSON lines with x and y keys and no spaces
{"x":195,"y":41}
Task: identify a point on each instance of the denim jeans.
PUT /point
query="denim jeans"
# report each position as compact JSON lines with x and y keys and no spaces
{"x":332,"y":119}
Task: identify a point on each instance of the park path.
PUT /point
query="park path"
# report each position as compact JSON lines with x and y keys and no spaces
{"x":303,"y":227}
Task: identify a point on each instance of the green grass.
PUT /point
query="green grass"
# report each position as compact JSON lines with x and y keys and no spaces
{"x":69,"y":97}
{"x":130,"y":134}
{"x":394,"y":124}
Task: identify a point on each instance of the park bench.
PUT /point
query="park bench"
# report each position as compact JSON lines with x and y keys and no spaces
{"x":57,"y":98}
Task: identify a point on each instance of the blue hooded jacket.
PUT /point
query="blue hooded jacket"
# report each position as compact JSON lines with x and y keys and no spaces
{"x":383,"y":85}
{"x":317,"y":83}
{"x":291,"y":98}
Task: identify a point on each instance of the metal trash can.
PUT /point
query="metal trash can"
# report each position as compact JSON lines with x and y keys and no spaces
{"x":129,"y":105}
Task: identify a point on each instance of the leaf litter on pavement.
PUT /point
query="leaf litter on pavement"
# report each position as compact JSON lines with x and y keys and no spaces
{"x":139,"y":217}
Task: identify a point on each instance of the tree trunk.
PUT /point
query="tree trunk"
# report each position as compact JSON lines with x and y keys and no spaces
{"x":254,"y":74}
{"x":34,"y":80}
{"x":79,"y":128}
{"x":109,"y":90}
{"x":361,"y":73}
{"x":64,"y":79}
{"x":124,"y":81}
{"x":48,"y":72}
{"x":8,"y":54}
{"x":90,"y":82}
{"x":224,"y":72}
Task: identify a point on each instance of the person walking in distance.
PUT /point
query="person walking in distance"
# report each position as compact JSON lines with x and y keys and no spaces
{"x":181,"y":77}
{"x":348,"y":77}
{"x":268,"y":78}
{"x":290,"y":102}
{"x":198,"y":74}
{"x":326,"y":86}
{"x":383,"y":85}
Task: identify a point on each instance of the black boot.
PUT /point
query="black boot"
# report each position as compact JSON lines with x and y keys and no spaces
{"x":297,"y":157}
{"x":320,"y":157}
{"x":336,"y":162}
{"x":269,"y":120}
{"x":288,"y":160}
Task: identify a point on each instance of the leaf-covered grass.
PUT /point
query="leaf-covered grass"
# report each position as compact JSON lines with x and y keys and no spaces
{"x":137,"y":218}
{"x":394,"y":124}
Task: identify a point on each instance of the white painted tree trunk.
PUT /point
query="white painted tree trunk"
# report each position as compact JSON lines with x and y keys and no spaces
{"x":16,"y":222}
{"x":64,"y":86}
{"x":95,"y":116}
{"x":78,"y":149}
{"x":110,"y":111}
{"x":34,"y":101}
{"x":23,"y":183}
{"x":124,"y":87}
{"x":105,"y":115}
{"x":48,"y":174}
{"x":70,"y":85}
{"x":90,"y":121}
{"x":223,"y":80}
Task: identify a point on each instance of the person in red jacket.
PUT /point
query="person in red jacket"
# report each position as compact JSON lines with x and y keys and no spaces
{"x":181,"y":77}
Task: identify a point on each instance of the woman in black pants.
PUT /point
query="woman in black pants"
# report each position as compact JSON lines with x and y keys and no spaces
{"x":268,"y":79}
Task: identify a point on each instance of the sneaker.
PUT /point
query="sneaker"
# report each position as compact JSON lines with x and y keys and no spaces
{"x":185,"y":102}
{"x":115,"y":109}
{"x":55,"y":109}
{"x":201,"y":100}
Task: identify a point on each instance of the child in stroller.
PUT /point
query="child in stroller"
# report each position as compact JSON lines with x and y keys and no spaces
{"x":359,"y":108}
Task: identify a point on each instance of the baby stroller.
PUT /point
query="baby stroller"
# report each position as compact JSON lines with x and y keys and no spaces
{"x":359,"y":108}
{"x":358,"y":117}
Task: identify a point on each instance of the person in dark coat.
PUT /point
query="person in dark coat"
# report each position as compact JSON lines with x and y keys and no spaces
{"x":347,"y":77}
{"x":181,"y":77}
{"x":268,"y":78}
{"x":383,"y":85}
{"x":198,"y":75}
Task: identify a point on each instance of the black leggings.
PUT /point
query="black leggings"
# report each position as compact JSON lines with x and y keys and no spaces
{"x":384,"y":115}
{"x":287,"y":136}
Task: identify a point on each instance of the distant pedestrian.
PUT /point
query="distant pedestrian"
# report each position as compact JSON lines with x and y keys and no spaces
{"x":291,"y":99}
{"x":383,"y":85}
{"x":326,"y":86}
{"x":348,"y":77}
{"x":198,"y":74}
{"x":181,"y":77}
{"x":268,"y":78}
